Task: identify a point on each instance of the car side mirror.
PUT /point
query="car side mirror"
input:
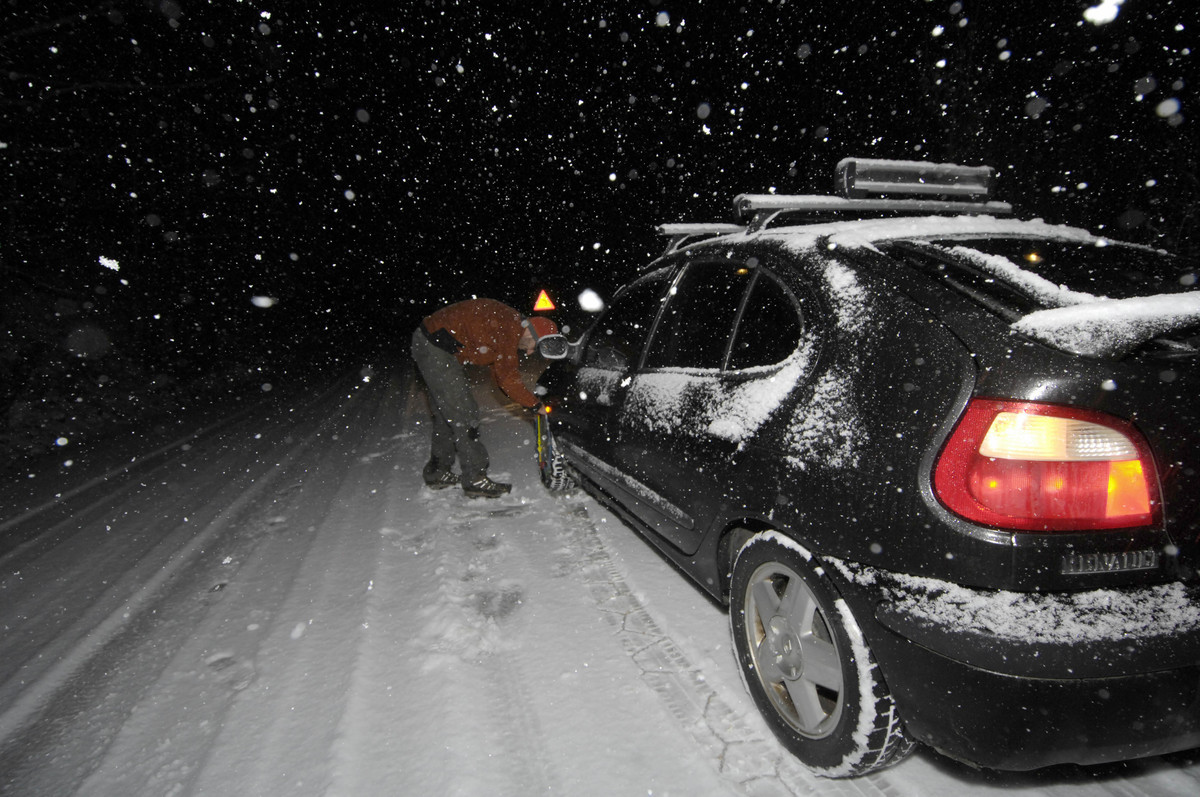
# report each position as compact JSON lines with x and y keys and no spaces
{"x":554,"y":347}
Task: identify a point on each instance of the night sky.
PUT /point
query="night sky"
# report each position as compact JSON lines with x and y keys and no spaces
{"x":363,"y":162}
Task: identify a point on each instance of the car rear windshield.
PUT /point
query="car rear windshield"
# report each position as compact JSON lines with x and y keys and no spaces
{"x":1101,"y":269}
{"x":1017,"y":276}
{"x":1014,"y":277}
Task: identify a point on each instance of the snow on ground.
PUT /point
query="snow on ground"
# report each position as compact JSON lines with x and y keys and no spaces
{"x":276,"y":605}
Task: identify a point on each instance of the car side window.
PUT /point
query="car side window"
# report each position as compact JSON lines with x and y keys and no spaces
{"x":770,"y":327}
{"x":617,"y":340}
{"x":698,"y":319}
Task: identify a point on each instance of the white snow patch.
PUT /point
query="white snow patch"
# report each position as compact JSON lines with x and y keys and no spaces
{"x":1111,"y":326}
{"x":598,"y":383}
{"x":1164,"y":610}
{"x":656,"y":400}
{"x":747,"y":406}
{"x":828,"y":427}
{"x":1038,"y":287}
{"x":867,"y":232}
{"x":778,"y":539}
{"x":703,"y":401}
{"x":850,"y":300}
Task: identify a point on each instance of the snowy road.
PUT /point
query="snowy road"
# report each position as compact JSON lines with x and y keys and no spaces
{"x":274,"y":605}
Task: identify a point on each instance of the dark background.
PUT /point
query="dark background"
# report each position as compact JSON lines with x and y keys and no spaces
{"x":364,"y":162}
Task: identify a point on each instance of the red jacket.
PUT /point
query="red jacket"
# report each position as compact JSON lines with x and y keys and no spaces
{"x":488,"y":331}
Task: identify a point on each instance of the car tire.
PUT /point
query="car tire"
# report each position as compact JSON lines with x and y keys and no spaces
{"x":805,"y":662}
{"x":556,"y":473}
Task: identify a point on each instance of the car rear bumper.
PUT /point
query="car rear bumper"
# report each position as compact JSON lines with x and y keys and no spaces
{"x":1015,"y":681}
{"x":1010,"y":722}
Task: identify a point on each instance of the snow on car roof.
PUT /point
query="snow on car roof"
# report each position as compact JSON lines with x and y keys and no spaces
{"x":864,"y":232}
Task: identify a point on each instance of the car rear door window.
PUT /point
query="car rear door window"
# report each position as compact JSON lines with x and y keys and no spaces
{"x":770,"y":327}
{"x":698,"y":319}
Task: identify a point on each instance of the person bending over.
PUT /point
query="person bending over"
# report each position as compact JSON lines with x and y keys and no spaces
{"x":480,"y":332}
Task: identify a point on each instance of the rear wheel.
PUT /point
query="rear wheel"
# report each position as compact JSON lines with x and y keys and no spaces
{"x":805,"y":662}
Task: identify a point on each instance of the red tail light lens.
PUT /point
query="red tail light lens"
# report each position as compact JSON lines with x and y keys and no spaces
{"x":1041,"y":467}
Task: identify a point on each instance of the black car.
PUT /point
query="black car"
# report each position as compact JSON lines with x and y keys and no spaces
{"x":939,"y":463}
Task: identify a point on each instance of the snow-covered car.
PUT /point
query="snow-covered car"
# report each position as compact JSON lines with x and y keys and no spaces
{"x":940,"y":463}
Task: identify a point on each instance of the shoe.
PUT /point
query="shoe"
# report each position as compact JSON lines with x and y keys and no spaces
{"x":483,"y":487}
{"x":441,"y":480}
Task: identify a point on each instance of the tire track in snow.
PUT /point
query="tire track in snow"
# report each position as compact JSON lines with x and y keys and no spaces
{"x":445,"y":660}
{"x":32,"y":696}
{"x":753,"y":762}
{"x":105,"y":680}
{"x":476,"y":621}
{"x":310,"y":659}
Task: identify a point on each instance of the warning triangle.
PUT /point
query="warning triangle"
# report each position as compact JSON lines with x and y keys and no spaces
{"x":543,"y":302}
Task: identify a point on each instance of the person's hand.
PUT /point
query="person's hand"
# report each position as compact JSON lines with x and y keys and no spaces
{"x":540,"y":409}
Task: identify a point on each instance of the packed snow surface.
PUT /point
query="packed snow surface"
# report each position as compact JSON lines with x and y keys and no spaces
{"x":272,"y":603}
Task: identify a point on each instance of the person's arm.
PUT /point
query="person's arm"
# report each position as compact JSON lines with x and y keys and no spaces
{"x":508,"y":378}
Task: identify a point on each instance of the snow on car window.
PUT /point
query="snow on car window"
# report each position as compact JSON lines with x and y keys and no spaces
{"x":1075,"y":270}
{"x":597,"y":384}
{"x":826,"y":427}
{"x":744,"y":408}
{"x":700,"y":401}
{"x":1095,"y":615}
{"x":1041,"y":289}
{"x":656,"y":400}
{"x":1112,"y":327}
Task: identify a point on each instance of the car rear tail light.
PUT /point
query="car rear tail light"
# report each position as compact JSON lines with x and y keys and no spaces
{"x":1041,"y":467}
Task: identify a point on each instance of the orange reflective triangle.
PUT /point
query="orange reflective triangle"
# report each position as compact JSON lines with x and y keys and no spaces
{"x":543,"y":302}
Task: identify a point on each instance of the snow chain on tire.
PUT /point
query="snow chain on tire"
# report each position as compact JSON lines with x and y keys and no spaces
{"x":556,"y":474}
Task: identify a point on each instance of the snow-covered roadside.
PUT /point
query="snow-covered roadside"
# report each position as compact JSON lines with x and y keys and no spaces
{"x":282,"y":608}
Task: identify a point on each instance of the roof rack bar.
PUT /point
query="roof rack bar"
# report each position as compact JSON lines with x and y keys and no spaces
{"x":761,"y":207}
{"x":680,"y":233}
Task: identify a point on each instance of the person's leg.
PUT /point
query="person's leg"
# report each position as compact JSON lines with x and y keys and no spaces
{"x":455,"y":428}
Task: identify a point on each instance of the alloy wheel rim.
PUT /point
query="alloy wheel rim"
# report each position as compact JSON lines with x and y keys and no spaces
{"x":796,"y":656}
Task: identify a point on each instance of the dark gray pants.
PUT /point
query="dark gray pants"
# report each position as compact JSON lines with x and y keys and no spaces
{"x":455,"y":411}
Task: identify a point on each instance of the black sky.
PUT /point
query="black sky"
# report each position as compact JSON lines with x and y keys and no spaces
{"x":362,"y":162}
